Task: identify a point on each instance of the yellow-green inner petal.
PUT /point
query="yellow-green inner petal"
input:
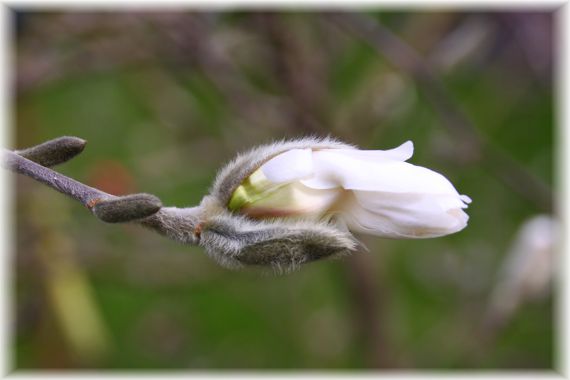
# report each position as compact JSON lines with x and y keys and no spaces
{"x":253,"y":189}
{"x":258,"y":197}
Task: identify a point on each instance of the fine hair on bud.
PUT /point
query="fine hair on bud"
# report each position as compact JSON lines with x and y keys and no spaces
{"x":126,"y":208}
{"x":54,"y":152}
{"x":234,"y":241}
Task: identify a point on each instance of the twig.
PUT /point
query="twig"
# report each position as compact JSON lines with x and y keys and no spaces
{"x":144,"y":209}
{"x":88,"y":196}
{"x":108,"y":208}
{"x":404,"y":57}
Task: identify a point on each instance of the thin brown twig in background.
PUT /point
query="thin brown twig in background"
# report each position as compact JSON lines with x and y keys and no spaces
{"x":472,"y":143}
{"x":295,"y":68}
{"x":369,"y":300}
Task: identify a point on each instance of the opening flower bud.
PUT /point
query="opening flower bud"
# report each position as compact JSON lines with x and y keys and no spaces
{"x":374,"y":192}
{"x":273,"y":190}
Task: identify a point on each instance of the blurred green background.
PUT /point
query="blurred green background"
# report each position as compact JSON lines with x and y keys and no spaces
{"x":165,"y":98}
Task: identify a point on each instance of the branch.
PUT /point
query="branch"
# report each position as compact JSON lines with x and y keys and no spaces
{"x":404,"y":57}
{"x":145,"y":209}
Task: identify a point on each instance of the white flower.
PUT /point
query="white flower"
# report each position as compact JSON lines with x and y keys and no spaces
{"x":374,"y":192}
{"x":528,"y":269}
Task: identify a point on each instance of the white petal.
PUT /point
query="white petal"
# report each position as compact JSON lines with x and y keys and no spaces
{"x":402,"y":153}
{"x":347,"y":169}
{"x":289,"y":166}
{"x":404,"y":215}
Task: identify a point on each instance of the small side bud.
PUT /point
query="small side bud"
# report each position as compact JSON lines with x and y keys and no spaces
{"x":54,"y":152}
{"x":126,"y":208}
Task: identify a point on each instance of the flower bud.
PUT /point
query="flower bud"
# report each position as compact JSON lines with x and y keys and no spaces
{"x":527,"y":272}
{"x":292,"y":202}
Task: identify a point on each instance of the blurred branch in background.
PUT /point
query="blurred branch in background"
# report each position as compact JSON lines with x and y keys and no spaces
{"x":368,"y":297}
{"x":300,"y":71}
{"x":469,"y":140}
{"x":191,"y":41}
